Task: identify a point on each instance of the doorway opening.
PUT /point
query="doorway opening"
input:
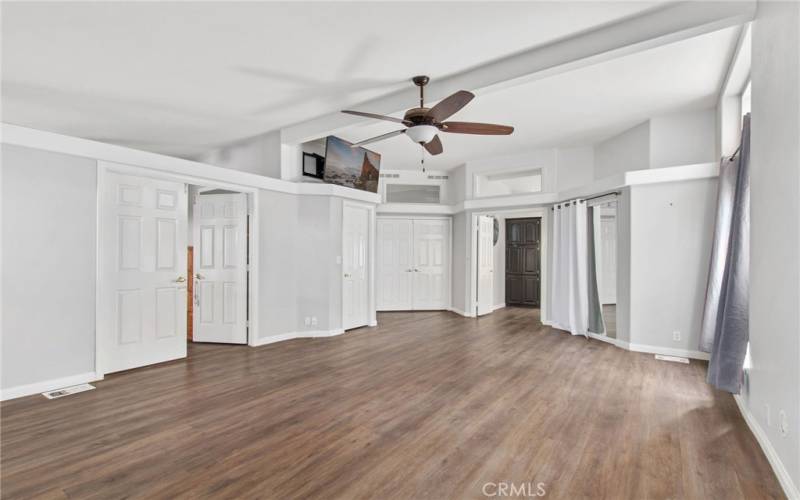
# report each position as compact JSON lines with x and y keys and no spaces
{"x":217,"y":266}
{"x":604,"y":218}
{"x":500,"y":275}
{"x":145,"y":243}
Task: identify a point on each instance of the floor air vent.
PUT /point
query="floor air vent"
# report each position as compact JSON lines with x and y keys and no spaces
{"x":674,"y":359}
{"x":66,"y":391}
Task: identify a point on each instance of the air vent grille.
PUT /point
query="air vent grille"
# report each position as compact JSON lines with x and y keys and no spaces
{"x":67,"y":391}
{"x":390,"y":176}
{"x":438,"y":177}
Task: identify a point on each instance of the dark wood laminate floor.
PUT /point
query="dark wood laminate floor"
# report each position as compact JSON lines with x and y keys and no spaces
{"x":428,"y":405}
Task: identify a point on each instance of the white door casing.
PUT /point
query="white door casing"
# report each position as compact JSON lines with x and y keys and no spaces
{"x":220,"y":267}
{"x":485,"y":264}
{"x":430,"y":290}
{"x":142,"y":282}
{"x":355,"y":266}
{"x":395,"y":264}
{"x":608,"y":239}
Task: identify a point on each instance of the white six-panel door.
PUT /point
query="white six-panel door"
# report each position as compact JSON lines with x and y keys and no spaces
{"x":220,"y":266}
{"x":355,"y":285}
{"x":395,"y":265}
{"x":430,"y":264}
{"x":485,"y":264}
{"x":142,"y":296}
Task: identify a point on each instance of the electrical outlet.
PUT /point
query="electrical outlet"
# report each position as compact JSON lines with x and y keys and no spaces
{"x":308,"y":321}
{"x":676,"y":336}
{"x":783,"y":423}
{"x":313,"y":321}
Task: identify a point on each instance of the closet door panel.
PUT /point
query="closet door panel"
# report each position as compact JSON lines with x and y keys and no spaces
{"x":394,"y":265}
{"x":431,"y":266}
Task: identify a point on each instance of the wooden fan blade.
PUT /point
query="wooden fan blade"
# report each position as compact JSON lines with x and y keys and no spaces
{"x":476,"y":128}
{"x":434,"y":146}
{"x":377,"y":117}
{"x":378,"y":138}
{"x":448,"y":106}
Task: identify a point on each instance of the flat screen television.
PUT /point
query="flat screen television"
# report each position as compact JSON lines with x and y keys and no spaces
{"x":357,"y":168}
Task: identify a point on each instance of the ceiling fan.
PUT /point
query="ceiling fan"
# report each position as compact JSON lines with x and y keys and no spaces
{"x":424,"y":124}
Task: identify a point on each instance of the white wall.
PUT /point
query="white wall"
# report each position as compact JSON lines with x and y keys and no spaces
{"x":301,"y":238}
{"x":630,"y":150}
{"x":671,"y":230}
{"x":460,"y":277}
{"x":257,"y":155}
{"x":624,"y":265}
{"x":774,"y":376}
{"x":670,"y":140}
{"x":49,"y":203}
{"x":49,"y":207}
{"x":683,"y":138}
{"x":575,"y":167}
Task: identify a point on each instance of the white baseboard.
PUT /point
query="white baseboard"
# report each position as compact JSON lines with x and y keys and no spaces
{"x":774,"y":460}
{"x":48,"y":385}
{"x":667,"y":351}
{"x":460,"y":312}
{"x":651,"y":349}
{"x":498,"y":306}
{"x":310,"y":334}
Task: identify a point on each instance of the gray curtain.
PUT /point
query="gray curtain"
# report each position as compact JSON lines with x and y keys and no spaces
{"x":725,"y":329}
{"x":595,"y":324}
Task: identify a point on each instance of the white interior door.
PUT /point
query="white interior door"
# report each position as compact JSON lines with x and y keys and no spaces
{"x":395,"y":265}
{"x":608,"y":240}
{"x":143,"y":272}
{"x":355,"y":286}
{"x":220,"y":267}
{"x":485,"y":264}
{"x":430,"y":264}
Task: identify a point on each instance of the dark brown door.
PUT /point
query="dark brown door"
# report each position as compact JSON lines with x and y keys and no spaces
{"x":523,"y":261}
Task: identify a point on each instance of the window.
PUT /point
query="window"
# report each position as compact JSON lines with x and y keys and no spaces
{"x":506,"y":183}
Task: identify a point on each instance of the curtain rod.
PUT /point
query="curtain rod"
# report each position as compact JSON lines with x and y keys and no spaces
{"x":566,"y":203}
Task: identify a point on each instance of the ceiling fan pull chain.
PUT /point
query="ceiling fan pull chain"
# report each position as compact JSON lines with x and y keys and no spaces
{"x":422,"y":159}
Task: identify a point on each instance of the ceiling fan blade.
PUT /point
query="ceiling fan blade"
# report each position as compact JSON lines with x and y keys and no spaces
{"x":434,"y":146}
{"x":378,"y":138}
{"x":448,"y":106}
{"x":377,"y":117}
{"x":476,"y":128}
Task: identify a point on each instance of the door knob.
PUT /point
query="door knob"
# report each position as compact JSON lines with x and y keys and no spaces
{"x":199,"y":276}
{"x":409,"y":270}
{"x":346,"y":275}
{"x":180,"y":279}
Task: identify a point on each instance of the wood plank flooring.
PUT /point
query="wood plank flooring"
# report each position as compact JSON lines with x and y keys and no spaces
{"x":427,"y":405}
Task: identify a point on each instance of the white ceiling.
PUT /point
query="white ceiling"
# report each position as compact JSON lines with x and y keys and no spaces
{"x":578,"y":107}
{"x":185,"y":77}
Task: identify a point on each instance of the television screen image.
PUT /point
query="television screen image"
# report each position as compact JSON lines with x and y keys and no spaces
{"x":352,"y":167}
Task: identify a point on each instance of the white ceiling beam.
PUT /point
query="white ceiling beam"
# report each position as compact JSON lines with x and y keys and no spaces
{"x":654,"y":28}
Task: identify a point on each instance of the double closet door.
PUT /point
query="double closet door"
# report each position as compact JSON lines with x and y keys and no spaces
{"x":413,"y":264}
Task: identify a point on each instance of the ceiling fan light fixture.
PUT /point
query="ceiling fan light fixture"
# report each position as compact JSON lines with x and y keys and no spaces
{"x":422,"y":133}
